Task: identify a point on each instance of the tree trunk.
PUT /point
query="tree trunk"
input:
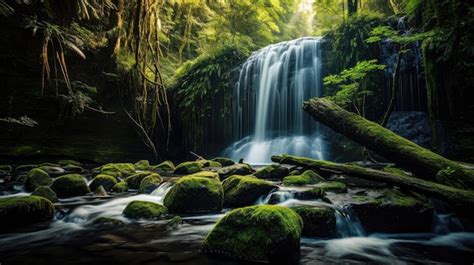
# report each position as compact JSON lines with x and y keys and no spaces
{"x":393,"y":97}
{"x":457,"y":198}
{"x":352,"y":7}
{"x":406,"y":154}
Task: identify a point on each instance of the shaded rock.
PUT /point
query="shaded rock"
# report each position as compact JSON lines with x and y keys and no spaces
{"x":73,"y":169}
{"x":52,"y":171}
{"x":144,"y":210}
{"x":70,"y":185}
{"x":333,"y":186}
{"x":393,"y":212}
{"x":264,"y":233}
{"x":120,"y":187}
{"x":164,"y":166}
{"x":311,"y":194}
{"x":64,"y":163}
{"x":244,"y":190}
{"x":224,"y":161}
{"x":272,"y":172}
{"x":209,"y":163}
{"x":107,"y":221}
{"x":17,"y":212}
{"x":134,"y":180}
{"x":25,"y":168}
{"x":307,"y":178}
{"x":35,"y":178}
{"x":175,"y":221}
{"x":45,"y":192}
{"x":317,"y":221}
{"x":106,"y":181}
{"x":187,"y":168}
{"x":142,"y":165}
{"x":149,"y":183}
{"x":195,"y":194}
{"x":100,"y":192}
{"x":237,"y":169}
{"x":6,"y":168}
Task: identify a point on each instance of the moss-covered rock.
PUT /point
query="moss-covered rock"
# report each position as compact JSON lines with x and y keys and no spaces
{"x":142,"y":165}
{"x":100,"y":192}
{"x":307,"y":178}
{"x":17,"y":212}
{"x":106,"y":181}
{"x":205,"y":174}
{"x":311,"y":194}
{"x":195,"y":194}
{"x":272,"y":172}
{"x":149,"y":183}
{"x":45,"y":192}
{"x":69,"y":163}
{"x":187,"y":168}
{"x":264,"y":233}
{"x":35,"y":178}
{"x":52,"y":170}
{"x":244,"y":190}
{"x":134,"y":180}
{"x":73,"y":169}
{"x":224,"y":161}
{"x":25,"y":168}
{"x":209,"y":163}
{"x":237,"y":169}
{"x":164,"y":166}
{"x":317,"y":221}
{"x":6,"y":168}
{"x":118,"y":169}
{"x":396,"y":212}
{"x":144,"y":210}
{"x":120,"y":187}
{"x":70,"y":185}
{"x":107,"y":221}
{"x":333,"y":186}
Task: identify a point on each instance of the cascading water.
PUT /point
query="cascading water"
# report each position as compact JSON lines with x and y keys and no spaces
{"x":268,"y":115}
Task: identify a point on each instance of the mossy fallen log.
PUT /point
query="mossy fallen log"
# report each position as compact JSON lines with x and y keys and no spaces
{"x":459,"y":199}
{"x":406,"y":154}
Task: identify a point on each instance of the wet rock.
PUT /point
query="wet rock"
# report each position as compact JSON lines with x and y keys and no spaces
{"x":134,"y":180}
{"x":393,"y":212}
{"x":6,"y":168}
{"x":209,"y":163}
{"x":64,"y":163}
{"x":45,"y":192}
{"x":106,"y":181}
{"x":333,"y":186}
{"x":307,"y":178}
{"x":52,"y":170}
{"x":187,"y":168}
{"x":195,"y":194}
{"x":142,"y":165}
{"x":144,"y":210}
{"x":70,"y":185}
{"x":164,"y":166}
{"x":311,"y":194}
{"x":224,"y":161}
{"x":117,"y":169}
{"x":244,"y":190}
{"x":17,"y":212}
{"x":149,"y":183}
{"x":73,"y":169}
{"x":237,"y":169}
{"x":264,"y":233}
{"x":120,"y":187}
{"x":174,"y":222}
{"x":25,"y":168}
{"x":272,"y":172}
{"x":107,"y":221}
{"x":35,"y":178}
{"x":100,"y":192}
{"x":317,"y":221}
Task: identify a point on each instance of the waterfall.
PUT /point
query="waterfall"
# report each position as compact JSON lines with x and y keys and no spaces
{"x":268,"y":98}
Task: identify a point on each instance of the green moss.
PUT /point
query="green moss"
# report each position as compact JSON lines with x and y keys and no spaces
{"x":205,"y":174}
{"x":237,"y":169}
{"x":134,"y":180}
{"x":35,"y":178}
{"x":70,"y":185}
{"x":164,"y":166}
{"x":120,"y":187}
{"x":107,"y":221}
{"x":195,"y":194}
{"x":106,"y":181}
{"x":312,"y":194}
{"x":244,"y":190}
{"x":125,"y":169}
{"x":16,"y":212}
{"x":100,"y":192}
{"x":69,"y":162}
{"x":272,"y":172}
{"x":144,"y":210}
{"x":224,"y":161}
{"x":264,"y":233}
{"x":45,"y":192}
{"x":317,"y":221}
{"x":142,"y":165}
{"x":396,"y":170}
{"x":307,"y":178}
{"x":175,"y":221}
{"x":149,"y":183}
{"x":73,"y":168}
{"x":187,"y":168}
{"x":333,"y":186}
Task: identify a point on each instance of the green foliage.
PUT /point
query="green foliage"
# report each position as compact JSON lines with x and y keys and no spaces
{"x":385,"y":32}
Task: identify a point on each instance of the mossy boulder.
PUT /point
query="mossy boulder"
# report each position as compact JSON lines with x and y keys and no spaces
{"x":6,"y":168}
{"x":73,"y":169}
{"x":17,"y":212}
{"x":25,"y":168}
{"x":333,"y":186}
{"x":52,"y":170}
{"x":69,"y":162}
{"x":205,"y":174}
{"x":311,"y":194}
{"x":396,"y":212}
{"x":120,"y":187}
{"x":100,"y":192}
{"x":35,"y":178}
{"x":209,"y":163}
{"x":237,"y":169}
{"x":70,"y":185}
{"x":195,"y":194}
{"x":142,"y":165}
{"x":144,"y":210}
{"x":118,"y":169}
{"x":106,"y":181}
{"x":164,"y":166}
{"x":107,"y":221}
{"x":134,"y":180}
{"x":317,"y":221}
{"x":187,"y":168}
{"x":45,"y":192}
{"x":244,"y":190}
{"x":149,"y":183}
{"x":272,"y":172}
{"x":224,"y":161}
{"x":307,"y":178}
{"x":264,"y":233}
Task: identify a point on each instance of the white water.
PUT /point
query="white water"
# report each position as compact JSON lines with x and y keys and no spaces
{"x":268,"y":114}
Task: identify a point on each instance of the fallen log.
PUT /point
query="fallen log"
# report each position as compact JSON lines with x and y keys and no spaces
{"x":457,"y":198}
{"x":406,"y":154}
